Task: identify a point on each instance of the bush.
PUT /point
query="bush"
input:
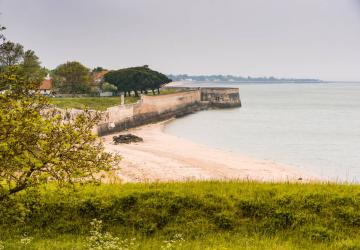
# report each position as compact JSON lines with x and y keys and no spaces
{"x":107,"y":87}
{"x":225,"y":221}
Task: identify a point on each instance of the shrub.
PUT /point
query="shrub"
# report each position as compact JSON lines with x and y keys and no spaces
{"x":99,"y":240}
{"x":225,"y":221}
{"x":253,"y":209}
{"x":107,"y":87}
{"x":318,"y":233}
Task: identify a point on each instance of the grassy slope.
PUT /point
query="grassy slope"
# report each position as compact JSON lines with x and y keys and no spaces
{"x":97,"y":103}
{"x":208,"y":215}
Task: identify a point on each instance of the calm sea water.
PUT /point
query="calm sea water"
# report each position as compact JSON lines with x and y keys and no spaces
{"x":315,"y":127}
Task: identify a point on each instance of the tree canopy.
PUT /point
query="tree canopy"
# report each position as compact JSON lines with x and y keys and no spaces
{"x":11,"y":53}
{"x":39,"y":144}
{"x":28,"y":64}
{"x":136,"y":79}
{"x":72,"y":78}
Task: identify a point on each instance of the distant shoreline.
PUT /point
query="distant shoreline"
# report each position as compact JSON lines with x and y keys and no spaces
{"x":262,"y":82}
{"x":234,"y":78}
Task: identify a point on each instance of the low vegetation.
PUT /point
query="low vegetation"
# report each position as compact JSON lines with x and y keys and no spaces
{"x":193,"y":215}
{"x":96,"y":103}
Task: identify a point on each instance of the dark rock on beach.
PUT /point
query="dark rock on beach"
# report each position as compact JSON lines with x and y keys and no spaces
{"x":127,"y":139}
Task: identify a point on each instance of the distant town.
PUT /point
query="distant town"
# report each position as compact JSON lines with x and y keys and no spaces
{"x":232,"y":78}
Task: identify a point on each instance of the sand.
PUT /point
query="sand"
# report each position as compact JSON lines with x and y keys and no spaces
{"x":163,"y":157}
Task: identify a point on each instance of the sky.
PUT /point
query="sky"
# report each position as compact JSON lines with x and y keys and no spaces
{"x":281,"y":38}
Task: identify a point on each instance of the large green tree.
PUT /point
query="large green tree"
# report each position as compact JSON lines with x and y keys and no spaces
{"x":136,"y":79}
{"x":10,"y":53}
{"x":72,"y":78}
{"x":31,"y":64}
{"x":39,"y":144}
{"x":13,"y":54}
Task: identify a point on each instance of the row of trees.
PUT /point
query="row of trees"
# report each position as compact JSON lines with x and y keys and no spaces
{"x":74,"y":78}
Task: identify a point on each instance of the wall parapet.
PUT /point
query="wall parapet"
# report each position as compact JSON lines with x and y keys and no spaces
{"x":151,"y":109}
{"x":221,"y":97}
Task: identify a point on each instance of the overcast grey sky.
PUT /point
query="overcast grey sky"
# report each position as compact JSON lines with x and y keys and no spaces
{"x":284,"y":38}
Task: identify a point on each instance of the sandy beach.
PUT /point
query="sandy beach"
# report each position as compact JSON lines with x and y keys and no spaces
{"x":164,"y":157}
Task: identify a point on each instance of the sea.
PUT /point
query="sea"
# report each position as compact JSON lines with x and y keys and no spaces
{"x":312,"y":126}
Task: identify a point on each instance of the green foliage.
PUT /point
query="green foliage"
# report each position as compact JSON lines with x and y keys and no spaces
{"x":98,"y":69}
{"x":318,"y":233}
{"x":100,"y":240}
{"x":224,"y":221}
{"x":72,"y":78}
{"x":93,"y":103}
{"x":208,"y":215}
{"x":136,"y":79}
{"x":31,"y":68}
{"x":107,"y":87}
{"x":38,"y":144}
{"x":11,"y":53}
{"x":28,"y":63}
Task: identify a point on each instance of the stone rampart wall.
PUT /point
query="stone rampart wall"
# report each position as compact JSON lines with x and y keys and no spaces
{"x":156,"y":108}
{"x":163,"y":103}
{"x":221,"y":97}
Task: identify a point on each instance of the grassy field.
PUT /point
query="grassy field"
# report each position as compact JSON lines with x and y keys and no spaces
{"x":96,"y":103}
{"x":193,"y":215}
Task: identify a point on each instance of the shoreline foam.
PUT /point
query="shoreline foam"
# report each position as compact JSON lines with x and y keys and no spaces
{"x":163,"y":157}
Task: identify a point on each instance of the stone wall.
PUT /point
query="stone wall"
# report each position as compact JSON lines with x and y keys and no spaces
{"x":156,"y":108}
{"x":221,"y":97}
{"x":163,"y":103}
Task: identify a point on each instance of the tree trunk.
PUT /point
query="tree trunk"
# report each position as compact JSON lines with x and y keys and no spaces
{"x":136,"y":93}
{"x":146,"y":92}
{"x":153,"y":91}
{"x":158,"y":91}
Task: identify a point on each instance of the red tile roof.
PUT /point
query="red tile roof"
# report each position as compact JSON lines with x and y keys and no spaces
{"x":46,"y":85}
{"x":99,"y":75}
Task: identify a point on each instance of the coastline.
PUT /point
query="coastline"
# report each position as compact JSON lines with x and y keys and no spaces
{"x":165,"y":158}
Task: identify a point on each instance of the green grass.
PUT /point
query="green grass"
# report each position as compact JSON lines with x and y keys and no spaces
{"x":208,"y":215}
{"x":96,"y":103}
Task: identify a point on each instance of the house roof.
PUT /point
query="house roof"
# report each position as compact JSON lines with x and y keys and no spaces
{"x":46,"y":85}
{"x":99,"y":75}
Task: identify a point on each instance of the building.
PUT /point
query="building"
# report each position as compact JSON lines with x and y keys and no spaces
{"x":98,"y":77}
{"x":46,"y":86}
